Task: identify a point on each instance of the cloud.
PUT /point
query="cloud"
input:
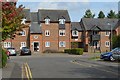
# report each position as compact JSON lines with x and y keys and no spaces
{"x":68,"y":0}
{"x":76,"y":9}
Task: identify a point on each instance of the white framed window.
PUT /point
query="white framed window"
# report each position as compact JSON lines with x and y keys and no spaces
{"x":47,"y":32}
{"x":107,"y":43}
{"x":107,"y":33}
{"x":75,"y":33}
{"x":23,"y":44}
{"x":47,"y":44}
{"x":7,"y":44}
{"x":62,"y":44}
{"x":23,"y":33}
{"x":47,"y":21}
{"x":61,"y":21}
{"x":61,"y":32}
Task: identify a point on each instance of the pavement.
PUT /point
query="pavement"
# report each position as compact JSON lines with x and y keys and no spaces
{"x":11,"y":70}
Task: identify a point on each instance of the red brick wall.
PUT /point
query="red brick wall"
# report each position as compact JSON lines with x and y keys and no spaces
{"x":54,"y":37}
{"x":32,"y":40}
{"x":103,"y":40}
{"x":79,"y":39}
{"x":16,"y":42}
{"x":118,"y":30}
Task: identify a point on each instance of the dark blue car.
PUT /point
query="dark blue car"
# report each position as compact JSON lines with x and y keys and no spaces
{"x":109,"y":55}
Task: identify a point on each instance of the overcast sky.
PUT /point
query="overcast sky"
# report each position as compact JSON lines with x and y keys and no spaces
{"x":76,"y":8}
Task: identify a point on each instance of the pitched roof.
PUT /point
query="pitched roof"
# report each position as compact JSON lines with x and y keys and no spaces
{"x":54,"y":15}
{"x":34,"y":16}
{"x":101,"y":23}
{"x":35,"y":28}
{"x":76,"y":26}
{"x":27,"y":15}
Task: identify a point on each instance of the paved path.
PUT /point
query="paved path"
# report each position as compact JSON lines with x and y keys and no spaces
{"x":12,"y":70}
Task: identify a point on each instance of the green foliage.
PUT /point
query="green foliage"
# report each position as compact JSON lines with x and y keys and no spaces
{"x":4,"y":58}
{"x":116,"y":41}
{"x":52,"y":51}
{"x":101,"y":14}
{"x":111,"y":14}
{"x":11,"y":19}
{"x":89,"y":14}
{"x":77,"y":51}
{"x":118,"y":15}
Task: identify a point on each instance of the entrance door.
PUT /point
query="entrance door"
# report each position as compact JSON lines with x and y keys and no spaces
{"x":36,"y":46}
{"x":96,"y":45}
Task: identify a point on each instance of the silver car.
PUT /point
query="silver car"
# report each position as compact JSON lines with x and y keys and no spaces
{"x":116,"y":54}
{"x":12,"y":51}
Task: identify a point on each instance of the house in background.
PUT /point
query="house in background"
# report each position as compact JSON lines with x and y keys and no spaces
{"x":118,"y":28}
{"x":77,"y":35}
{"x":52,"y":30}
{"x":98,"y":33}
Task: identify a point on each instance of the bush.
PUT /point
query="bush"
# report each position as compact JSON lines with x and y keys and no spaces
{"x":52,"y":51}
{"x":67,"y":51}
{"x":4,"y":58}
{"x":77,"y":51}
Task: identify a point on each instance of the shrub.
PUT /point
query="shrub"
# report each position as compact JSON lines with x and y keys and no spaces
{"x":52,"y":51}
{"x":67,"y":51}
{"x":4,"y":58}
{"x":77,"y":51}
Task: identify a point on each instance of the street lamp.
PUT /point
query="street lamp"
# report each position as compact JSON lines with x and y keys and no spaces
{"x":110,"y":35}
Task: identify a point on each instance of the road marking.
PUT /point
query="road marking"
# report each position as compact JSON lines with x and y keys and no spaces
{"x":26,"y":72}
{"x":29,"y":71}
{"x":74,"y":62}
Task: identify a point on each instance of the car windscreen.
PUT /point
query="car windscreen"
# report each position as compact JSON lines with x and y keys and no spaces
{"x":10,"y":48}
{"x":25,"y":48}
{"x":116,"y":50}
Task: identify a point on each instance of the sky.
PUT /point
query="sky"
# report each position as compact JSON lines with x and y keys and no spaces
{"x":76,"y":8}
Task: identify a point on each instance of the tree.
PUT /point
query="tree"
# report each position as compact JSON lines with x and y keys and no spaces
{"x":118,"y":15}
{"x":89,"y":14}
{"x":101,"y":15}
{"x":116,"y":41}
{"x":11,"y":19}
{"x":111,"y":14}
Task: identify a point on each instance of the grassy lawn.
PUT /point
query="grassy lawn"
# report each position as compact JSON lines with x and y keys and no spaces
{"x":94,"y":58}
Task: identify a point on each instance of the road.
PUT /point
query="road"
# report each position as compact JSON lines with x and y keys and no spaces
{"x":63,"y":66}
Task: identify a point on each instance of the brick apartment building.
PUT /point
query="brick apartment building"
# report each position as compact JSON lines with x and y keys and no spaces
{"x":50,"y":30}
{"x":53,"y":30}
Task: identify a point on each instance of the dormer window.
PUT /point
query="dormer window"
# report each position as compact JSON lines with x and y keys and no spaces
{"x":23,"y":21}
{"x":47,"y":21}
{"x":74,"y":33}
{"x":61,"y":21}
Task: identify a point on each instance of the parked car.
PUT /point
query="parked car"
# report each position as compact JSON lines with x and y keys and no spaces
{"x":12,"y":51}
{"x":112,"y":55}
{"x":25,"y":51}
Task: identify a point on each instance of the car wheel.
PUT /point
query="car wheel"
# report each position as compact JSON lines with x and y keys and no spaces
{"x":111,"y":58}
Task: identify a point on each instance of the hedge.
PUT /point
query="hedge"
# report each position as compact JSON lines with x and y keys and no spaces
{"x":4,"y":58}
{"x":77,"y":51}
